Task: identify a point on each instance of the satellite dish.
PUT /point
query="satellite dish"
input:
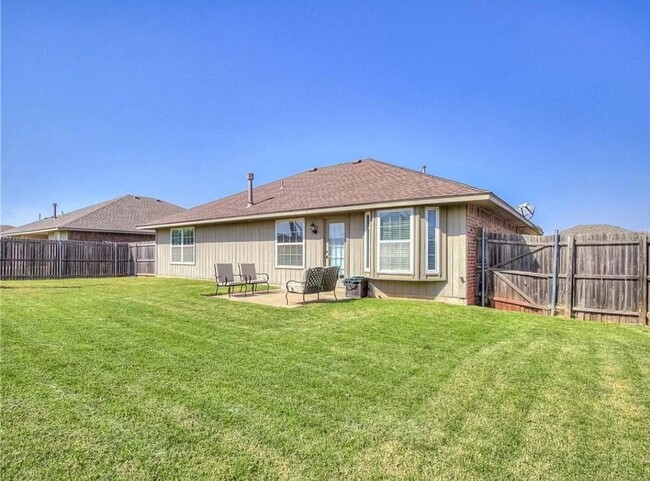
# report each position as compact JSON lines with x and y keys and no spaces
{"x":527,"y":210}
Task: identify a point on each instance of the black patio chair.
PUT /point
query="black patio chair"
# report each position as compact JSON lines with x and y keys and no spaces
{"x":311,"y":283}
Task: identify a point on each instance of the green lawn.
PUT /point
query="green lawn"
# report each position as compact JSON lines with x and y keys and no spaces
{"x":151,"y":379}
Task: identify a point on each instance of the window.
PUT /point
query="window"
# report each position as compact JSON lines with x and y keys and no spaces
{"x":290,"y":243}
{"x":433,"y":240}
{"x":395,"y":245}
{"x":366,"y":242}
{"x":183,"y":245}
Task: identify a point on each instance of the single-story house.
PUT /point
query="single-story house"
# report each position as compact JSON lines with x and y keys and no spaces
{"x":114,"y":220}
{"x":412,"y":234}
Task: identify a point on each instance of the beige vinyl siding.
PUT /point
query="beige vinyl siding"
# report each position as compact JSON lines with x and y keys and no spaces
{"x":355,"y":248}
{"x":236,"y":243}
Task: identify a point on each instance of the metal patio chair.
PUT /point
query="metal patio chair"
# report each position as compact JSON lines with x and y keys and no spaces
{"x":248,"y":273}
{"x":225,"y":277}
{"x":330,"y":278}
{"x":311,"y":283}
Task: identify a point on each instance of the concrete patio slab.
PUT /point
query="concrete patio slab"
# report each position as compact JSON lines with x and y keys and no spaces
{"x":275,"y":298}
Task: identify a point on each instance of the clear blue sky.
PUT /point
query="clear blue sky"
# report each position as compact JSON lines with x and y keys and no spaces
{"x":546,"y":102}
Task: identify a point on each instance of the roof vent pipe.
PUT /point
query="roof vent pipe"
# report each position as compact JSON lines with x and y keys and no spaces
{"x":54,"y":205}
{"x":250,"y":178}
{"x":423,"y":169}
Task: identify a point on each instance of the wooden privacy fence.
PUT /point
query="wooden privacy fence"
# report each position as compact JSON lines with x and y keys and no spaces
{"x":144,"y":258}
{"x":591,"y":276}
{"x":46,"y":259}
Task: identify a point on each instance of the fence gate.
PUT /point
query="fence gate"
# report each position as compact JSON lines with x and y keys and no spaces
{"x":591,"y":276}
{"x":520,"y":272}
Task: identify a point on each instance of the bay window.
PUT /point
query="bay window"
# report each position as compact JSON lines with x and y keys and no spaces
{"x":395,"y":241}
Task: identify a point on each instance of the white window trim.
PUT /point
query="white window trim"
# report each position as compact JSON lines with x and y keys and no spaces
{"x":367,"y":241}
{"x":171,"y":246}
{"x":276,"y":244}
{"x":379,"y":241}
{"x":426,"y":241}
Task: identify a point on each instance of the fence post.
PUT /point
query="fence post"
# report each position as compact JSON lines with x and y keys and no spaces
{"x":133,"y":250}
{"x":60,"y":252}
{"x":556,"y":256}
{"x":570,"y":273}
{"x":115,"y":259}
{"x":643,"y":279}
{"x":483,"y":266}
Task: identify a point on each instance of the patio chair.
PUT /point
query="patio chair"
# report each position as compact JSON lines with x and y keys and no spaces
{"x":330,"y":278}
{"x":225,"y":277}
{"x":252,"y":277}
{"x":312,"y":280}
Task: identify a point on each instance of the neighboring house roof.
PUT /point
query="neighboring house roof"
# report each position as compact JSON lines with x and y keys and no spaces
{"x":594,"y":229}
{"x":5,"y":227}
{"x":122,"y":214}
{"x":342,"y":186}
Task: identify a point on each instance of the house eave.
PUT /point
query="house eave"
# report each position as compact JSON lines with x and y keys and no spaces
{"x":513,"y":212}
{"x":35,"y":231}
{"x":79,"y":229}
{"x":113,"y":231}
{"x":328,"y":210}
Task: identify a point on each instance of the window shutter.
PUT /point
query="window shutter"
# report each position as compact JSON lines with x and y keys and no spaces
{"x":432,"y":240}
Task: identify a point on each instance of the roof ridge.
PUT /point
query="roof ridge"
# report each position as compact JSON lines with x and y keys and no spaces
{"x":277,"y":181}
{"x":122,"y":213}
{"x":273,"y":182}
{"x":331,"y":166}
{"x":97,"y":207}
{"x":408,"y":169}
{"x":113,"y":201}
{"x":349,"y":162}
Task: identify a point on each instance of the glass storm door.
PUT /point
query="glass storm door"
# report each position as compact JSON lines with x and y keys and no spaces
{"x":336,"y":246}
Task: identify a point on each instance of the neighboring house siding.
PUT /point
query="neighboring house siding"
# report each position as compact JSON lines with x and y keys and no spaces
{"x":478,"y":218}
{"x":108,"y":236}
{"x":58,"y":235}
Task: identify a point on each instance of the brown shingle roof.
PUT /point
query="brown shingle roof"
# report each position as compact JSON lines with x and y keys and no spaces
{"x":122,"y":214}
{"x":353,"y":183}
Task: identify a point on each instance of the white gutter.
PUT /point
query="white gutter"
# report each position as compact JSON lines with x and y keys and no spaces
{"x":504,"y":205}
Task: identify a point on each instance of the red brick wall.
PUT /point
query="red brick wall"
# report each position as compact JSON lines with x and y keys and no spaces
{"x":478,"y":218}
{"x":108,"y":236}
